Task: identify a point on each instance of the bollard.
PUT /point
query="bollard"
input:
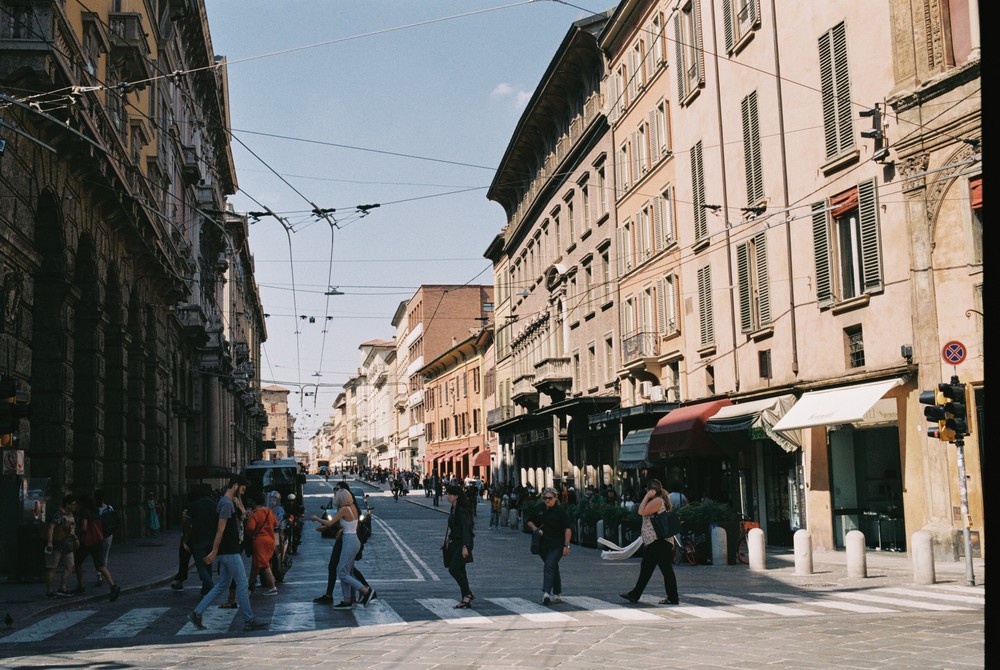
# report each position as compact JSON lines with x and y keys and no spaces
{"x":513,"y":520}
{"x":755,"y":547}
{"x":803,"y":552}
{"x":720,"y":548}
{"x":599,"y":528}
{"x":857,"y":559}
{"x":923,"y":557}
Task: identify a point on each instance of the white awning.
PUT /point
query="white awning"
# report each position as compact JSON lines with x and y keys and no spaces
{"x":762,"y":414}
{"x":846,"y":404}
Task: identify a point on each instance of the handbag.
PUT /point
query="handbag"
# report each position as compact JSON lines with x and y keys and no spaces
{"x":446,"y":550}
{"x":665,"y":524}
{"x":536,"y":541}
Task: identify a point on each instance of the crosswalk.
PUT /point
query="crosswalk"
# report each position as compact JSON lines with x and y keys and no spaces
{"x":287,"y":617}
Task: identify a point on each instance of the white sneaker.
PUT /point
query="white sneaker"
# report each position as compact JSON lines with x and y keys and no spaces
{"x":271,"y":592}
{"x":546,"y":598}
{"x":556,"y":598}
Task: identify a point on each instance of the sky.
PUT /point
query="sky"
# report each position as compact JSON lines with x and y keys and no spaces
{"x":341,"y":104}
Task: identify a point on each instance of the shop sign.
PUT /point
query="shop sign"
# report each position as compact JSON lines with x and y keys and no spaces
{"x":883,"y":412}
{"x":13,"y":462}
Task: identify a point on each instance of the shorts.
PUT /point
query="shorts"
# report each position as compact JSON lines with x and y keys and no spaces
{"x":95,"y":551}
{"x":53,"y":560}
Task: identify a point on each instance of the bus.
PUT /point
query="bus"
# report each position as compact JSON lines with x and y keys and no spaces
{"x":322,"y":466}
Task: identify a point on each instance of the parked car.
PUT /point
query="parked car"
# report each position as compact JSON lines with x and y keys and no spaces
{"x":330,"y":510}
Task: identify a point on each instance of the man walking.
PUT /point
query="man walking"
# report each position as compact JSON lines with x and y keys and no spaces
{"x":226,"y":549}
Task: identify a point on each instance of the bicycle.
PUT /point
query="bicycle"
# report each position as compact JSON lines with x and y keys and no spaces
{"x":687,"y":550}
{"x":743,"y":546}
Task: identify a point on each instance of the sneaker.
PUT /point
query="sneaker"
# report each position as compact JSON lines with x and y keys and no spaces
{"x":115,"y":592}
{"x":343,"y":605}
{"x":323,"y":600}
{"x":195,"y":618}
{"x":556,"y":598}
{"x":368,"y":597}
{"x":667,"y":601}
{"x":100,"y":580}
{"x":64,"y":593}
{"x":256,"y":624}
{"x":629,"y":597}
{"x":546,"y":599}
{"x":271,"y":592}
{"x":177,"y":586}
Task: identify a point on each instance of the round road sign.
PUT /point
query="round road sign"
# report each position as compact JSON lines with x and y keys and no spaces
{"x":953,"y":352}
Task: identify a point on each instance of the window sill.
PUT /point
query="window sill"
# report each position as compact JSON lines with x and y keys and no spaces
{"x":850,"y":304}
{"x":570,"y":248}
{"x":607,"y":305}
{"x":840,"y":162}
{"x":589,"y":315}
{"x":761,"y":333}
{"x":603,"y":219}
{"x":744,"y":40}
{"x":587,"y":232}
{"x":701,"y":244}
{"x":705,"y":352}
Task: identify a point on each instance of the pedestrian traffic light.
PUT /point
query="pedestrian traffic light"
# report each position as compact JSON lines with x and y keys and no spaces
{"x":936,"y":414}
{"x":955,"y":407}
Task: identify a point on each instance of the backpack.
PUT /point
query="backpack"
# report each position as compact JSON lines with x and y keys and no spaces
{"x":110,"y":520}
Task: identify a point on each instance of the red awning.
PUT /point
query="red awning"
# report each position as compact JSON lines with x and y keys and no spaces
{"x":682,"y":432}
{"x":976,"y":188}
{"x":482,"y":459}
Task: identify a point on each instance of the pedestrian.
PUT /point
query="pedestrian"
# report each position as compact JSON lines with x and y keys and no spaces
{"x":495,"y":507}
{"x":197,"y":536}
{"x":436,"y":485}
{"x":61,"y":542}
{"x":274,"y":504}
{"x":657,"y":552}
{"x":338,"y":547}
{"x":677,"y":500}
{"x":226,"y":549}
{"x":347,"y":515}
{"x":183,"y":554}
{"x":110,"y":520}
{"x":554,"y":525}
{"x":92,"y":545}
{"x":153,"y":513}
{"x":261,"y":526}
{"x":459,"y":541}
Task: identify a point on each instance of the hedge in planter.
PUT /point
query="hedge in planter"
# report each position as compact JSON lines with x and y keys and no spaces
{"x":701,"y":516}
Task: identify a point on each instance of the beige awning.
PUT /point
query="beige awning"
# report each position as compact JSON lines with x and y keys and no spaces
{"x":846,"y":404}
{"x":762,"y":414}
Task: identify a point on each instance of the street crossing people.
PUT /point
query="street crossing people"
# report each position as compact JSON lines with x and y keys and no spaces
{"x":262,"y":526}
{"x":92,"y":545}
{"x":347,"y":515}
{"x":460,"y":541}
{"x":657,"y":552}
{"x":338,"y":547}
{"x":554,"y":524}
{"x":61,"y":543}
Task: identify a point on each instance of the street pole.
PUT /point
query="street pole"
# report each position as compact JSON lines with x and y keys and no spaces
{"x":963,"y":492}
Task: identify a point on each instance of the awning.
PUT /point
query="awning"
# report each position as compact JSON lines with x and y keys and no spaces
{"x":634,"y":451}
{"x":759,"y":414}
{"x":846,"y":404}
{"x":682,"y":432}
{"x":482,"y":459}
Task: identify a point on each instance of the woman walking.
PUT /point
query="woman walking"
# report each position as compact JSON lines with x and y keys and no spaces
{"x":338,"y":548}
{"x":553,"y":525}
{"x":347,"y":515}
{"x":459,"y":541}
{"x":658,"y":552}
{"x":261,"y":526}
{"x":153,"y":512}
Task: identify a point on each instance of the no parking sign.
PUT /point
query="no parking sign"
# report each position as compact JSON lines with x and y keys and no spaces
{"x":953,"y":352}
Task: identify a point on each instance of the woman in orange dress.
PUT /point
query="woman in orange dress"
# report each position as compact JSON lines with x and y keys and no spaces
{"x":260,"y":526}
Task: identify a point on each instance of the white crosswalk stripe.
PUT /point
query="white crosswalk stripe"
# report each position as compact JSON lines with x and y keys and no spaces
{"x":378,"y":613}
{"x":696,"y":611}
{"x":607,"y":609}
{"x":827,"y":604}
{"x":290,"y":617}
{"x":49,"y":627}
{"x":959,"y":588}
{"x":216,"y":621}
{"x":950,"y":597}
{"x":531,"y":611}
{"x":743,"y":603}
{"x":129,"y":624}
{"x":445,"y":609}
{"x":902,"y":602}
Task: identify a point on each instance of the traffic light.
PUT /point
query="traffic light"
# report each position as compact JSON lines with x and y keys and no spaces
{"x":935,"y":414}
{"x":955,"y":408}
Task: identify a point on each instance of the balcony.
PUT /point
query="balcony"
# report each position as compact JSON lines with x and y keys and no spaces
{"x":416,"y":398}
{"x":524,"y":393}
{"x":415,"y":431}
{"x":129,"y":49}
{"x":554,"y":377}
{"x":29,"y":36}
{"x":499,"y":414}
{"x":190,"y":165}
{"x":639,"y":347}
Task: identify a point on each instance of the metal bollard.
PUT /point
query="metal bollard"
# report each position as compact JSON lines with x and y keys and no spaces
{"x":720,"y":548}
{"x":803,"y":552}
{"x":857,"y":559}
{"x":921,"y":547}
{"x":755,"y":547}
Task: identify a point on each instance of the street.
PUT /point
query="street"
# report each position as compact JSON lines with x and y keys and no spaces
{"x":728,"y":617}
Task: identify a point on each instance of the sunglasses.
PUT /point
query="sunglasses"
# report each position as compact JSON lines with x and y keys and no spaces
{"x":549,"y":497}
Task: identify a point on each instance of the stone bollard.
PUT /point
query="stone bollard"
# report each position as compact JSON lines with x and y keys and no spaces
{"x":755,"y":548}
{"x":720,"y":548}
{"x":803,"y":552}
{"x":513,"y":520}
{"x":857,"y":559}
{"x":923,"y":557}
{"x":599,"y":528}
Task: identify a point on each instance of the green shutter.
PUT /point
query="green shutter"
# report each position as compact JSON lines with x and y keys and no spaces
{"x":743,"y":281}
{"x":698,"y":193}
{"x":680,"y":65}
{"x":705,"y":305}
{"x":727,"y":22}
{"x":871,"y":252}
{"x":763,"y":288}
{"x":821,"y":250}
{"x":845,"y":117}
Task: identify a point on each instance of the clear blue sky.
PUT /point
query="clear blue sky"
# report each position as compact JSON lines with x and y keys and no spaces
{"x":409,"y":104}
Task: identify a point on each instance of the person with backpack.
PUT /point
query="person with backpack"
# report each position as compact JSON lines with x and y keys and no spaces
{"x":92,"y":545}
{"x":110,"y":521}
{"x":200,"y":522}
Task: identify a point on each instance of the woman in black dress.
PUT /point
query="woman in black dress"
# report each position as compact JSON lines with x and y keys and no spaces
{"x":459,"y":542}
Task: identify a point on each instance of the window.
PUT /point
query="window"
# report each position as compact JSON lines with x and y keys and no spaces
{"x":739,"y":17}
{"x":602,"y":189}
{"x":570,"y":223}
{"x":609,"y":358}
{"x":666,"y":297}
{"x":430,"y":432}
{"x":710,"y":379}
{"x":577,"y":373}
{"x":588,"y":285}
{"x":641,"y":152}
{"x":690,"y":56}
{"x":976,"y":202}
{"x":705,"y":317}
{"x":698,"y":193}
{"x":664,"y":228}
{"x":475,"y":421}
{"x":606,"y":275}
{"x":591,"y":365}
{"x":625,"y":261}
{"x":556,"y":232}
{"x":658,"y":52}
{"x":636,"y":64}
{"x":628,"y":317}
{"x":751,"y":271}
{"x":855,"y":347}
{"x":584,"y":204}
{"x":846,"y":245}
{"x":647,"y":315}
{"x":622,"y":170}
{"x":764,"y":363}
{"x":838,"y":122}
{"x":661,"y":130}
{"x":751,"y":150}
{"x":644,"y":233}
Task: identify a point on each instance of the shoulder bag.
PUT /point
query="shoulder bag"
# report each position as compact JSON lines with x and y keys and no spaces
{"x":665,"y":524}
{"x":536,"y":541}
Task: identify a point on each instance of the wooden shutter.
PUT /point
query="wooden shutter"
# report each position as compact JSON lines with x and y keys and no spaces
{"x":651,"y":38}
{"x":679,"y":64}
{"x":634,"y":155}
{"x":727,"y":23}
{"x":821,"y":252}
{"x":668,"y":148}
{"x":696,"y":38}
{"x":705,"y":305}
{"x":621,"y":252}
{"x":838,"y":123}
{"x":751,"y":149}
{"x":661,"y":306}
{"x":743,"y":282}
{"x":871,"y":252}
{"x":763,"y":287}
{"x":654,"y":139}
{"x":698,"y":192}
{"x":657,"y":214}
{"x":613,"y":94}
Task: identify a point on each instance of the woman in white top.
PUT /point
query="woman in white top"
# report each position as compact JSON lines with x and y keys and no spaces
{"x":347,"y":515}
{"x":658,"y":552}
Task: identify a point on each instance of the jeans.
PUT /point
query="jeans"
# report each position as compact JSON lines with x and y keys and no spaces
{"x":331,"y":577}
{"x":204,"y":571}
{"x":658,"y":554}
{"x":345,"y":567}
{"x":494,"y":518}
{"x":231,"y":569}
{"x":551,"y":579}
{"x":457,"y":567}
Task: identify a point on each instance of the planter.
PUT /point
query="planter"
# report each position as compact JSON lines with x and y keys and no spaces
{"x":611,"y":532}
{"x":588,"y":534}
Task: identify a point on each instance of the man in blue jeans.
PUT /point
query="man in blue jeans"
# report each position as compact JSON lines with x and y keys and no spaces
{"x":226,"y":550}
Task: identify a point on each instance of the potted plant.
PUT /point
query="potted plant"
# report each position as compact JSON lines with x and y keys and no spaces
{"x":702,"y":516}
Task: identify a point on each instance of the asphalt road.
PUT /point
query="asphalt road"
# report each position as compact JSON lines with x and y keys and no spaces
{"x":728,"y":617}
